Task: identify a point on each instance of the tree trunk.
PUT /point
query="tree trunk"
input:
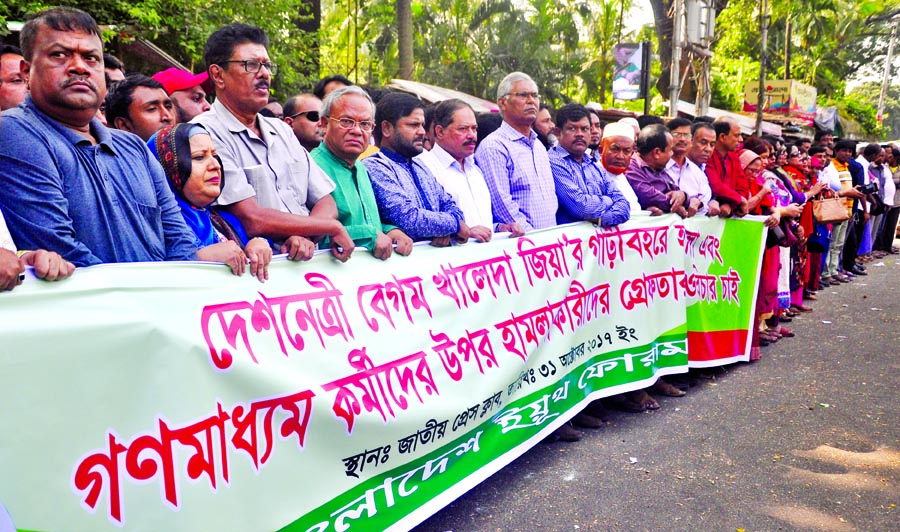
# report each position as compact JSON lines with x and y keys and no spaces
{"x":787,"y":50}
{"x":404,"y":39}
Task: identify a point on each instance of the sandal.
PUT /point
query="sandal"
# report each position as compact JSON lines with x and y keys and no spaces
{"x":786,"y":333}
{"x":801,"y":308}
{"x":642,"y":398}
{"x":661,"y":387}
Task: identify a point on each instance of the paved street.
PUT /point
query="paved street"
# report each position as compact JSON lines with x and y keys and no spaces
{"x":808,"y":438}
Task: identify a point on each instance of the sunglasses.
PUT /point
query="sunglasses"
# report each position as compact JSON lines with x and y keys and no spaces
{"x":312,"y":116}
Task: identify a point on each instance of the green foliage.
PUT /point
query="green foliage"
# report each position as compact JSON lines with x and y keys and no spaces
{"x":868,"y":93}
{"x":858,"y":109}
{"x":181,"y":28}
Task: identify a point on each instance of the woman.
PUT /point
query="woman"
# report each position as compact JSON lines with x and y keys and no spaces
{"x":194,"y":172}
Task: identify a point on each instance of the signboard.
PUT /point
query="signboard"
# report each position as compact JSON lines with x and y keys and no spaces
{"x":344,"y":397}
{"x":787,"y":97}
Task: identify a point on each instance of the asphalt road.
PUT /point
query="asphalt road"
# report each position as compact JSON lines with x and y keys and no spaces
{"x":808,"y":438}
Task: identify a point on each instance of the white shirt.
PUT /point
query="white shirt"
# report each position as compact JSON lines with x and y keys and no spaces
{"x":692,"y":180}
{"x":624,"y":187}
{"x":6,"y":241}
{"x":466,"y":186}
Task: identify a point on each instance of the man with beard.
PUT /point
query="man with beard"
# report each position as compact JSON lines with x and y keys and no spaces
{"x":186,"y":91}
{"x":617,"y":148}
{"x":543,"y":126}
{"x":408,"y":195}
{"x":452,"y":162}
{"x":582,"y":190}
{"x":515,"y":164}
{"x":647,"y":174}
{"x":597,"y":126}
{"x":726,"y":177}
{"x":270,"y":182}
{"x":690,"y":152}
{"x":71,"y":185}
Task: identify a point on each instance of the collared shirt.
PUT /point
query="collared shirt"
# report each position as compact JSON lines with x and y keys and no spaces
{"x":356,"y":206}
{"x":276,"y":168}
{"x":650,"y":184}
{"x":623,"y":186}
{"x":410,"y":197}
{"x":517,"y":172}
{"x":692,"y":180}
{"x":726,"y":178}
{"x":465,"y":185}
{"x":583,"y":191}
{"x":92,"y":204}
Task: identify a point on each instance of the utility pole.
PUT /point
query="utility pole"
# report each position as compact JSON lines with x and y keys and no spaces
{"x":764,"y":33}
{"x":887,"y":69}
{"x":675,"y":82}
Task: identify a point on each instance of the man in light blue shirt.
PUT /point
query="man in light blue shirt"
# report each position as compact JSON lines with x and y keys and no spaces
{"x":515,"y":163}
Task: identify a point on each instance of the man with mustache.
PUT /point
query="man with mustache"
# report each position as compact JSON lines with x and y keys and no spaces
{"x":689,"y":156}
{"x":186,"y":91}
{"x":348,"y":120}
{"x":408,"y":195}
{"x":515,"y":163}
{"x":452,"y":161}
{"x":726,"y":177}
{"x":581,"y":188}
{"x":617,"y":147}
{"x":71,"y":185}
{"x":139,"y":105}
{"x":301,"y":112}
{"x":270,"y":182}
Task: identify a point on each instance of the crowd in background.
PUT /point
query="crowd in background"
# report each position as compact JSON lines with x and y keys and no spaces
{"x":100,"y":166}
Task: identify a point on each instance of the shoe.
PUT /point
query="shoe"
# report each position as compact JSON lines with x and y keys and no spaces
{"x":825,"y":282}
{"x":809,"y":295}
{"x":596,"y":410}
{"x":564,"y":433}
{"x":786,"y":333}
{"x":842,"y":279}
{"x":620,"y":402}
{"x":585,"y":421}
{"x":785,"y":318}
{"x":661,"y":387}
{"x":801,"y":308}
{"x":642,"y":398}
{"x":763,"y":342}
{"x":856,"y":270}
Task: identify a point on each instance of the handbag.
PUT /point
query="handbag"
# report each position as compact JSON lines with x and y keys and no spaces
{"x":828,"y":208}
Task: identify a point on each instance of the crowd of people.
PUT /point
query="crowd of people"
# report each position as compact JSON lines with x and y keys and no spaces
{"x":99,"y":166}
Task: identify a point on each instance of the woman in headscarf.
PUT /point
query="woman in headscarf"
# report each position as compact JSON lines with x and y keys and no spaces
{"x":194,"y":173}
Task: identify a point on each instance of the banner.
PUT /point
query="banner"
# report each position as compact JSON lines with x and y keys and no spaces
{"x":338,"y":397}
{"x":783,"y":96}
{"x":631,"y":68}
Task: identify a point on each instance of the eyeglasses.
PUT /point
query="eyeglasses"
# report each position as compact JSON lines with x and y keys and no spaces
{"x":526,"y":95}
{"x":349,"y":123}
{"x":252,"y":66}
{"x":686,"y":136}
{"x":312,"y":116}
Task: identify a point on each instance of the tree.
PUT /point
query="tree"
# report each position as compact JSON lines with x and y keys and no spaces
{"x":405,"y":38}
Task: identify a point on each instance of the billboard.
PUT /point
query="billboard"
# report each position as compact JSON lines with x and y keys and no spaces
{"x":783,"y":96}
{"x":632,"y":63}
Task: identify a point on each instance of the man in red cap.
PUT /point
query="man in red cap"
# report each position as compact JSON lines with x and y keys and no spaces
{"x":186,"y":92}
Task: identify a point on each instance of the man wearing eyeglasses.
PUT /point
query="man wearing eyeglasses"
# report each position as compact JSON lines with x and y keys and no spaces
{"x":514,"y":162}
{"x":270,"y":182}
{"x":688,"y":174}
{"x":348,"y":120}
{"x":301,"y":112}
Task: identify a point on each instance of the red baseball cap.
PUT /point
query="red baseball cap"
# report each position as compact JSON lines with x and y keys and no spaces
{"x":174,"y":79}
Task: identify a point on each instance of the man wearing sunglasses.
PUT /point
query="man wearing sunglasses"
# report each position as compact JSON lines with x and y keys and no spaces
{"x":301,"y":112}
{"x":272,"y":185}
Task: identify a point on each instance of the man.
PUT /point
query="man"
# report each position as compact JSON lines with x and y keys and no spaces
{"x":690,"y":153}
{"x":842,"y":185}
{"x":582,"y":190}
{"x":114,"y":69}
{"x":515,"y":165}
{"x":326,"y":85}
{"x":804,"y":145}
{"x":186,"y":91}
{"x":273,"y":109}
{"x":543,"y":126}
{"x":270,"y":182}
{"x":647,"y":175}
{"x":859,"y":210}
{"x":409,"y":197}
{"x":139,"y":105}
{"x":13,"y":81}
{"x":452,"y":162}
{"x":70,"y":185}
{"x":617,"y":148}
{"x":301,"y":112}
{"x":597,"y":126}
{"x":726,"y":178}
{"x":824,"y":137}
{"x":338,"y":156}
